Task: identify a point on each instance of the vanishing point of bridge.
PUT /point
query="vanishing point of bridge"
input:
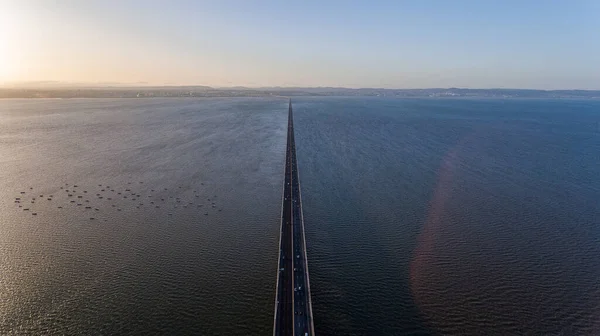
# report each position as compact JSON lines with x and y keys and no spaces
{"x":293,"y":307}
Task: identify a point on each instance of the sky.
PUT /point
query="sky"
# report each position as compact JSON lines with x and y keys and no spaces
{"x":546,"y":44}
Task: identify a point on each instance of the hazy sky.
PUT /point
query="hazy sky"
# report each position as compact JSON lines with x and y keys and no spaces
{"x":394,"y":43}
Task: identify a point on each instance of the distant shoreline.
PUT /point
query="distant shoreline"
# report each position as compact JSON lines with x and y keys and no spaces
{"x":208,"y":92}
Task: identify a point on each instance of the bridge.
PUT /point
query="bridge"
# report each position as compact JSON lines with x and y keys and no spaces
{"x":293,"y":307}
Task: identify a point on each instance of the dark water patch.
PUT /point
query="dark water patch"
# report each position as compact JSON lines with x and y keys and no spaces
{"x":451,"y":216}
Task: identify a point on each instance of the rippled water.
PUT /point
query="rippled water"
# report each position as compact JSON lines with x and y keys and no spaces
{"x":456,"y":217}
{"x":138,"y":269}
{"x":422,"y":216}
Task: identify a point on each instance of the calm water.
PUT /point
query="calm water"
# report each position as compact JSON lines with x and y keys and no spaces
{"x":422,"y":216}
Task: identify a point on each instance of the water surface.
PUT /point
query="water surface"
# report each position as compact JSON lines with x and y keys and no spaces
{"x":140,"y":269}
{"x":456,"y":217}
{"x":423,"y":216}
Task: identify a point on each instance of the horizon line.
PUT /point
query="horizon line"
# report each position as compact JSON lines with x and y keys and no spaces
{"x":75,"y":85}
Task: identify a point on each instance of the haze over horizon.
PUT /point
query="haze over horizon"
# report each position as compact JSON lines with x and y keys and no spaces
{"x":383,"y":44}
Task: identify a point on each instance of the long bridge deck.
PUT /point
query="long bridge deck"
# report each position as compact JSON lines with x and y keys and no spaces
{"x":293,"y":307}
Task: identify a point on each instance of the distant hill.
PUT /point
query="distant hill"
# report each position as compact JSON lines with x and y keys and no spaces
{"x":54,"y":90}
